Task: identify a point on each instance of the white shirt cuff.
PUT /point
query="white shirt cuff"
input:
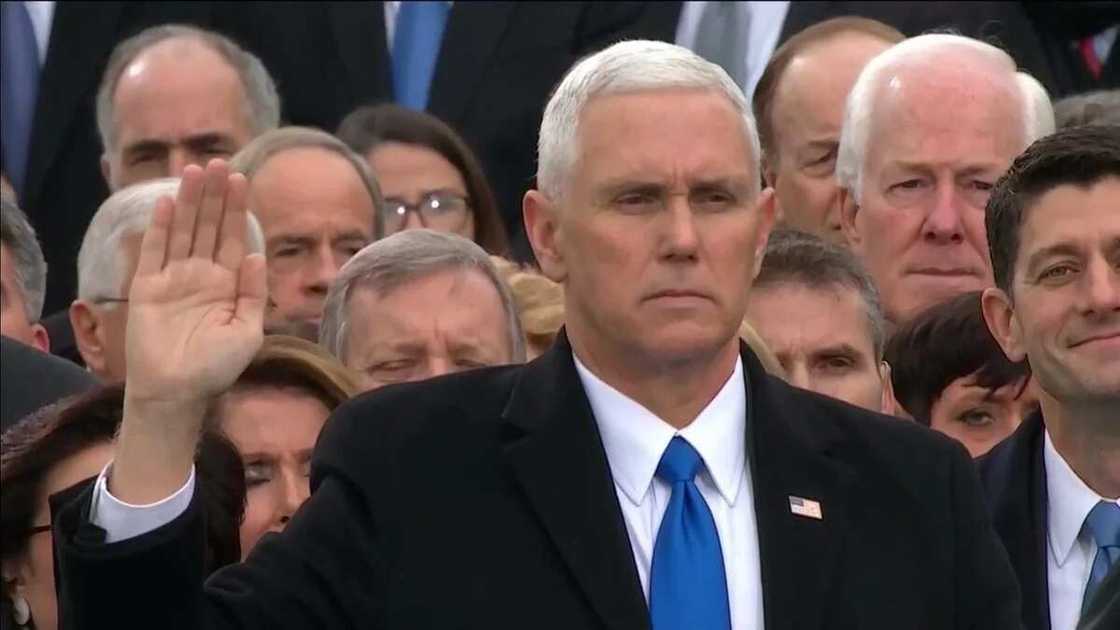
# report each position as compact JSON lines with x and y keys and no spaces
{"x":122,"y":521}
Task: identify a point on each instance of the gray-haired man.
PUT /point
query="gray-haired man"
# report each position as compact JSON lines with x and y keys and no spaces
{"x":419,"y":304}
{"x":23,"y":278}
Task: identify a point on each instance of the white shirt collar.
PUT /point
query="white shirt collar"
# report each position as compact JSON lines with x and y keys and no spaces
{"x":1069,"y":500}
{"x":634,"y":438}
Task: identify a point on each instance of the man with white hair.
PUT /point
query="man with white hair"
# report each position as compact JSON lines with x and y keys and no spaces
{"x":175,"y":95}
{"x":644,"y":472}
{"x":930,"y":124}
{"x":23,"y":278}
{"x":420,"y":304}
{"x":106,"y":263}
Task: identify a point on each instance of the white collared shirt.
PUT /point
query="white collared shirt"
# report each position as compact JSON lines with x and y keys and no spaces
{"x":634,"y":440}
{"x":41,"y":13}
{"x":767,"y":19}
{"x":1071,"y":550}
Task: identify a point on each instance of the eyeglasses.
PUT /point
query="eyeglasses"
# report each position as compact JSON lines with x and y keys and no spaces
{"x":437,"y":209}
{"x":109,"y":300}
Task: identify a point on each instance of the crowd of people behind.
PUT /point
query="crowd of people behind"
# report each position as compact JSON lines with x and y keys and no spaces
{"x":698,"y":373}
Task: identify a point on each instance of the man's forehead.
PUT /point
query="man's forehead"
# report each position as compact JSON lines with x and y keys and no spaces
{"x":815,"y":316}
{"x":1062,"y":217}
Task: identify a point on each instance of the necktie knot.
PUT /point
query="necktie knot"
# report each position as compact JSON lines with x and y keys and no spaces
{"x":680,"y":462}
{"x":1103,"y":524}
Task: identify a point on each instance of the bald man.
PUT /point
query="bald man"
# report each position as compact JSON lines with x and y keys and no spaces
{"x":176,"y":95}
{"x":799,"y":103}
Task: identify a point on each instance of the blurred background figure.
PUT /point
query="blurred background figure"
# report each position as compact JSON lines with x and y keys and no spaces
{"x":951,"y":375}
{"x":106,"y":264}
{"x":318,"y":205}
{"x":929,"y":127}
{"x":31,"y":379}
{"x":23,"y":278}
{"x":419,"y":304}
{"x":539,"y":301}
{"x":428,"y":175}
{"x":273,"y":415}
{"x":818,"y":311}
{"x":799,"y":106}
{"x":1101,"y":107}
{"x":59,"y":450}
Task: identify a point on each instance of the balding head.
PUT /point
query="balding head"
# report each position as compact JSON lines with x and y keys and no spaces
{"x":929,"y":126}
{"x":176,"y":95}
{"x":799,"y":104}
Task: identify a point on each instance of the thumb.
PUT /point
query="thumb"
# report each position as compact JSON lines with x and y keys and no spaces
{"x":252,"y":291}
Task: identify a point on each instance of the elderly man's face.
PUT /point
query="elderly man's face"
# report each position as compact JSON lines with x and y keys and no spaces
{"x":659,"y":228}
{"x":822,"y":338}
{"x":315,"y":213}
{"x":13,"y":314}
{"x":1064,"y":312}
{"x":807,"y":113}
{"x":178,"y":103}
{"x":937,"y":145}
{"x":446,"y":322}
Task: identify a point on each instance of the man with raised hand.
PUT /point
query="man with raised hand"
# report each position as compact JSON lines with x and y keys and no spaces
{"x":644,"y":472}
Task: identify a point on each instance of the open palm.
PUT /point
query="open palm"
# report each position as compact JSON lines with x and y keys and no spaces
{"x":196,"y":306}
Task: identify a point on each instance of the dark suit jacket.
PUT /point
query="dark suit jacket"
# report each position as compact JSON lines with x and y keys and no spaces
{"x":1103,"y":612}
{"x":1060,"y":25}
{"x":1005,"y":24}
{"x":498,"y":63}
{"x":1014,"y":479}
{"x":64,"y":184}
{"x":485,"y":500}
{"x":30,"y":380}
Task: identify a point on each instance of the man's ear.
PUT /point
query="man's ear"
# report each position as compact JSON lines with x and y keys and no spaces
{"x":848,"y":210}
{"x":887,"y":404}
{"x":770,"y":180}
{"x":542,"y":226}
{"x":999,"y":314}
{"x":767,"y":214}
{"x":40,"y":338}
{"x":88,"y":335}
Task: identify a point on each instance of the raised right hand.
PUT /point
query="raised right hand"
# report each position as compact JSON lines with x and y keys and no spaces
{"x":196,"y":311}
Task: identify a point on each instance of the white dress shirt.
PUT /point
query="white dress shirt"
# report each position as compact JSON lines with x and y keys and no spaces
{"x":41,"y":13}
{"x":634,"y":440}
{"x":766,"y":23}
{"x":1071,"y":550}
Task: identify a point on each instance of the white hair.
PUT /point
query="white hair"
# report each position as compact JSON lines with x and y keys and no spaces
{"x":262,"y":102}
{"x":396,"y":260}
{"x":102,"y":263}
{"x":917,"y":54}
{"x":625,"y":68}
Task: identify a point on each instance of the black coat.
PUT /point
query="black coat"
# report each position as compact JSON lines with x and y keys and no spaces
{"x":1014,"y":478}
{"x":485,"y":500}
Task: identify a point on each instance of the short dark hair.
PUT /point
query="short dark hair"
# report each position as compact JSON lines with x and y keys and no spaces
{"x":767,"y":87}
{"x":800,"y":258}
{"x":1079,"y":156}
{"x":367,"y":127}
{"x":39,"y":442}
{"x":945,"y":342}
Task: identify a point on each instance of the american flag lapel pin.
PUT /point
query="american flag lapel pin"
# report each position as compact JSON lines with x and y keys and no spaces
{"x":805,"y":507}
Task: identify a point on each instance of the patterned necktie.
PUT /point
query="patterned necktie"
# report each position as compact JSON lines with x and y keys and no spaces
{"x":19,"y":65}
{"x":416,"y":43}
{"x":721,"y":37}
{"x":1103,"y":524}
{"x":688,"y":586}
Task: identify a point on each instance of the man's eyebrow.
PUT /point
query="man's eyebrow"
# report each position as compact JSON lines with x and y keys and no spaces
{"x":1058,"y":249}
{"x":205,"y":140}
{"x":145,"y":145}
{"x":290,"y":239}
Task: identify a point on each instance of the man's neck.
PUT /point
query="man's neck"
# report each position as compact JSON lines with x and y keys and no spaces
{"x":675,"y":391}
{"x":1087,"y":436}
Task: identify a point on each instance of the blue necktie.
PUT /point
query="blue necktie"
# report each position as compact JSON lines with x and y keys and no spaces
{"x":1103,"y":524}
{"x":19,"y":65}
{"x":687,"y":586}
{"x":416,"y":43}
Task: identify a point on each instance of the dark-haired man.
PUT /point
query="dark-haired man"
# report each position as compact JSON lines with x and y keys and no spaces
{"x":1053,"y":224}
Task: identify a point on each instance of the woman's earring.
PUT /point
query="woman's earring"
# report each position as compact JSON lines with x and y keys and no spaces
{"x":21,"y":612}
